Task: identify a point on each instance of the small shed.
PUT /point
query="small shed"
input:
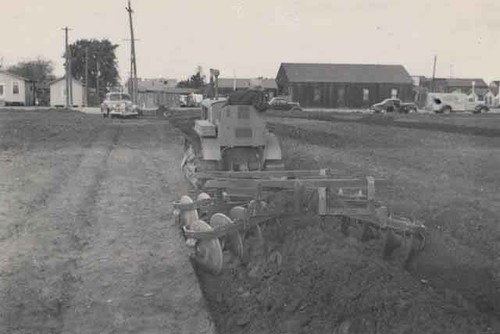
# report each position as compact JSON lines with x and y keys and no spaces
{"x":16,"y":90}
{"x":58,"y":93}
{"x":316,"y":85}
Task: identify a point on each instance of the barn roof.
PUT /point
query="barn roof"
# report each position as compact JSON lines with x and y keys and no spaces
{"x":346,"y":73}
{"x":245,"y":83}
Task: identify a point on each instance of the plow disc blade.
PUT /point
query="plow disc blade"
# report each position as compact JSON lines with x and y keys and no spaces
{"x":188,"y":217}
{"x":391,"y":243}
{"x":233,"y":241}
{"x":208,"y":253}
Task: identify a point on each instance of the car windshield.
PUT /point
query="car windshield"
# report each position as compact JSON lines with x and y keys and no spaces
{"x":119,"y":97}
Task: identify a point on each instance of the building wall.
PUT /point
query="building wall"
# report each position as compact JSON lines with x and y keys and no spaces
{"x":58,"y":93}
{"x":348,"y":95}
{"x":153,"y":100}
{"x":7,"y":82}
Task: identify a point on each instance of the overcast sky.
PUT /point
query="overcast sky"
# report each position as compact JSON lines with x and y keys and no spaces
{"x":252,"y":37}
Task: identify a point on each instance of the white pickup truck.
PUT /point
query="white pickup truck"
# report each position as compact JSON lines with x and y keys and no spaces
{"x":449,"y":102}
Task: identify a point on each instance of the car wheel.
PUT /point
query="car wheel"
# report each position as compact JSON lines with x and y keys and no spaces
{"x":446,"y":110}
{"x":412,"y":110}
{"x":482,"y":110}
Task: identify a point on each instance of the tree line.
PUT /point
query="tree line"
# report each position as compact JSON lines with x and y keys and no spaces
{"x":96,"y":56}
{"x":94,"y":63}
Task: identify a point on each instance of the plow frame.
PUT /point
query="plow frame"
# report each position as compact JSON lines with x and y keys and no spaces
{"x":349,"y":198}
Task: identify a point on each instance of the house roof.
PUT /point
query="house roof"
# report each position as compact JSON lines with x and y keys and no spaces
{"x":244,"y":83}
{"x":345,"y":73}
{"x":14,"y":75}
{"x":59,"y":79}
{"x":465,"y":83}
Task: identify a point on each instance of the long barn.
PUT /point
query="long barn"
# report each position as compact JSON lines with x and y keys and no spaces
{"x":343,"y":85}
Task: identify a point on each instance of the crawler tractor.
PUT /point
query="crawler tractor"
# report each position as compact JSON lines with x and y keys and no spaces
{"x":229,"y":137}
{"x":235,"y":165}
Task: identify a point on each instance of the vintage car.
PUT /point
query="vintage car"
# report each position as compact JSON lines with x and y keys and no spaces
{"x":281,"y":103}
{"x":118,"y":105}
{"x":394,"y":105}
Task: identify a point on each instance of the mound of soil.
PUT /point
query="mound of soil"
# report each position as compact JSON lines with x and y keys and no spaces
{"x":312,"y":279}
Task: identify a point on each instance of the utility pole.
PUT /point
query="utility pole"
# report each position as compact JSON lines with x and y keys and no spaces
{"x":133,"y":65}
{"x":434,"y":72}
{"x":215,"y":73}
{"x":87,"y":76}
{"x":67,"y":68}
{"x":97,"y":78}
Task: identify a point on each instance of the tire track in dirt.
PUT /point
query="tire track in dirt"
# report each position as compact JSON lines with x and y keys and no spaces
{"x":40,"y":281}
{"x":134,"y":273}
{"x":61,"y":176}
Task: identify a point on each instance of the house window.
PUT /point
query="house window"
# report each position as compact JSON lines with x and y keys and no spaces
{"x":340,"y":97}
{"x":394,"y":93}
{"x":317,"y":94}
{"x":2,"y":89}
{"x":366,"y":95}
{"x":15,"y":88}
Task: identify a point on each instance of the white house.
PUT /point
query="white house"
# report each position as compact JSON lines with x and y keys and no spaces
{"x":15,"y":90}
{"x":58,"y":93}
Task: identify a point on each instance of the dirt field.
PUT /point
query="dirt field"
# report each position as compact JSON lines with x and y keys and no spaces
{"x":311,"y":279}
{"x":86,"y":237}
{"x":87,"y":243}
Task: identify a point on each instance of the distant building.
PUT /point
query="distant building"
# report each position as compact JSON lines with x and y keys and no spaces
{"x":343,"y":85}
{"x":157,"y":84}
{"x":229,"y":85}
{"x":154,"y":93}
{"x":16,"y":90}
{"x":58,"y":92}
{"x":168,"y":97}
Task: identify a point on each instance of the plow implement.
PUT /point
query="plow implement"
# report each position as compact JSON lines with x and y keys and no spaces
{"x":231,"y":205}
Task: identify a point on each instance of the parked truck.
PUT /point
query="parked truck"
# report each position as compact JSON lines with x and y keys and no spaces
{"x":449,"y":102}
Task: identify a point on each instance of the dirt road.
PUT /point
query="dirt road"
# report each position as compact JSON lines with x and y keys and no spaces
{"x":87,"y":243}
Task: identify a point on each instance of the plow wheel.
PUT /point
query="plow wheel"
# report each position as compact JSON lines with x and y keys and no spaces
{"x":405,"y":247}
{"x":391,"y":243}
{"x":208,"y":253}
{"x":254,"y":208}
{"x":233,"y":241}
